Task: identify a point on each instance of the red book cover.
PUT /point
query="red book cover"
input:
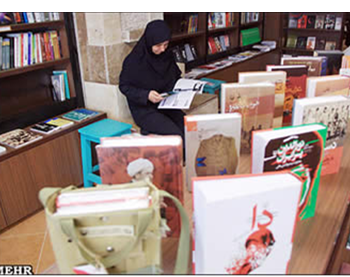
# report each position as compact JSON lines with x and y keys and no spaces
{"x":295,"y":88}
{"x":302,"y":21}
{"x":131,"y":158}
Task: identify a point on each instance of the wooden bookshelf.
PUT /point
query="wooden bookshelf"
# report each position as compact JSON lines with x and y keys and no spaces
{"x":26,"y":99}
{"x":200,"y":38}
{"x":26,"y":92}
{"x":328,"y":35}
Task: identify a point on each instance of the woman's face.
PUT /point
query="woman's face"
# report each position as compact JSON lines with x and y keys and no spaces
{"x":160,"y":47}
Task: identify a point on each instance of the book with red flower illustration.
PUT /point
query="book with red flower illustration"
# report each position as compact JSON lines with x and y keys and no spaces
{"x":295,"y":87}
{"x":131,"y":158}
{"x":256,"y":104}
{"x":278,"y":78}
{"x":333,"y":112}
{"x":299,"y":149}
{"x":244,"y":224}
{"x":212,"y":145}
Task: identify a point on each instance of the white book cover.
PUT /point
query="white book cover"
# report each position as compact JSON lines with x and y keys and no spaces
{"x":299,"y":149}
{"x":244,"y":224}
{"x":278,"y":78}
{"x":333,"y":112}
{"x":212,"y":145}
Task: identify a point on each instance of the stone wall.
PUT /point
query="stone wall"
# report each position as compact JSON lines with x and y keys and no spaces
{"x":104,"y":40}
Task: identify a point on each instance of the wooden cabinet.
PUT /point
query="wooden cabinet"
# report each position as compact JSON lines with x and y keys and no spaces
{"x":53,"y":161}
{"x":26,"y":92}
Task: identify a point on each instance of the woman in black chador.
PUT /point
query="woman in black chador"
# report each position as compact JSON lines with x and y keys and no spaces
{"x":148,"y":71}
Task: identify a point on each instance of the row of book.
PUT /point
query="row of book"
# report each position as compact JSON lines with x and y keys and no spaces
{"x":192,"y":24}
{"x":249,"y":17}
{"x":20,"y":137}
{"x":310,"y":43}
{"x":184,"y":53}
{"x":220,"y":20}
{"x":23,"y":49}
{"x":320,"y":21}
{"x":8,"y":18}
{"x":218,"y":44}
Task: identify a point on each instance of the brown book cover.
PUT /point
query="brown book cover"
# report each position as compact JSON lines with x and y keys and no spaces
{"x":256,"y":104}
{"x":276,"y":78}
{"x":131,"y":158}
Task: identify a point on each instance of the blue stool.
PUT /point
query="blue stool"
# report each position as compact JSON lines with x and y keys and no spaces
{"x":93,"y":133}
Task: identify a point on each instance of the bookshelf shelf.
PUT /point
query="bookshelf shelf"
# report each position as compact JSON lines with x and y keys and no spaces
{"x":302,"y":25}
{"x":39,"y":66}
{"x":204,"y":40}
{"x":31,"y":26}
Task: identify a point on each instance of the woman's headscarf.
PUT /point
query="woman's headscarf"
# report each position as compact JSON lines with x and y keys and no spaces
{"x":144,"y":69}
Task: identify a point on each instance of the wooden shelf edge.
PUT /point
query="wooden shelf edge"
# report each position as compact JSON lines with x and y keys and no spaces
{"x":312,"y":30}
{"x":217,"y":30}
{"x":31,"y":26}
{"x":176,"y":37}
{"x":25,"y":69}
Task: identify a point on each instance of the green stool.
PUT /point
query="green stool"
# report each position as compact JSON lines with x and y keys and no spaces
{"x":93,"y":133}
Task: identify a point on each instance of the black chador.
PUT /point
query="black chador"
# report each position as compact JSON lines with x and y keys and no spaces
{"x":144,"y":71}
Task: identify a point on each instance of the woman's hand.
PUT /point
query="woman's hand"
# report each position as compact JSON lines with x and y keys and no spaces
{"x":154,"y":97}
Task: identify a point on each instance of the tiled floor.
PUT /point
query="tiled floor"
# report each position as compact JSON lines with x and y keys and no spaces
{"x":28,"y":243}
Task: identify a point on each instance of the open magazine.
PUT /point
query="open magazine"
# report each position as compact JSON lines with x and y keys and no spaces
{"x":182,"y":94}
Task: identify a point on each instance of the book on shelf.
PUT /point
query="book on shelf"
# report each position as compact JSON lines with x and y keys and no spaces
{"x":319,"y":23}
{"x":338,"y":23}
{"x":329,"y":22}
{"x":311,"y":43}
{"x":79,"y":114}
{"x":244,"y":224}
{"x":66,"y":83}
{"x":220,"y":20}
{"x":320,"y":44}
{"x":184,"y":53}
{"x":334,"y":60}
{"x":18,"y":138}
{"x":44,"y":128}
{"x":250,"y":36}
{"x":293,"y":20}
{"x":133,"y":158}
{"x":302,"y":21}
{"x":28,"y":48}
{"x":58,"y":87}
{"x":295,"y":87}
{"x":330,"y":45}
{"x":249,"y":17}
{"x":6,"y":18}
{"x":255,"y":102}
{"x":59,"y":122}
{"x":212,"y":145}
{"x":310,"y":24}
{"x":299,"y":149}
{"x":192,"y":24}
{"x":33,"y":17}
{"x":314,"y":63}
{"x":292,"y":41}
{"x":278,"y":79}
{"x":328,"y":85}
{"x":333,"y":112}
{"x":301,"y":42}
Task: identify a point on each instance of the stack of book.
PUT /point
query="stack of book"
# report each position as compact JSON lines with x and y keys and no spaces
{"x":220,"y":20}
{"x":60,"y":85}
{"x":311,"y":21}
{"x":28,"y":17}
{"x":18,"y":138}
{"x":51,"y":125}
{"x":218,"y":44}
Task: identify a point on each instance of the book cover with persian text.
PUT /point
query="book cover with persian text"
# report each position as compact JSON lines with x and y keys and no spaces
{"x":256,"y":104}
